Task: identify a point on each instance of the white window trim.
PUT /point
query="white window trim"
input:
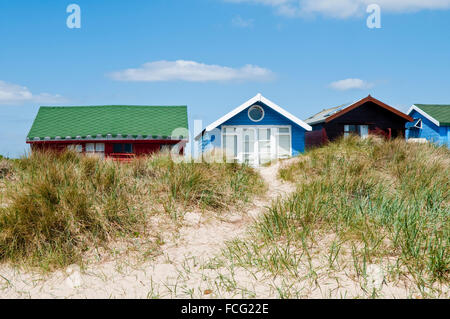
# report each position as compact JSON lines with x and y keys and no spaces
{"x":426,"y":115}
{"x":347,"y":131}
{"x":236,"y":133}
{"x":256,"y":107}
{"x":273,"y":139}
{"x":360,"y":131}
{"x":272,"y":142}
{"x":95,"y":151}
{"x":290,"y":144}
{"x":255,"y":145}
{"x":421,"y":124}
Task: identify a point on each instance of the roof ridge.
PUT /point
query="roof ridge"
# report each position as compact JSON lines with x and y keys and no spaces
{"x":439,"y":114}
{"x":257,"y":98}
{"x":112,"y":105}
{"x":431,"y":104}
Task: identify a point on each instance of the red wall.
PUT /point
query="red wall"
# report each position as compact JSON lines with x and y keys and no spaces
{"x":140,"y":148}
{"x":315,"y":138}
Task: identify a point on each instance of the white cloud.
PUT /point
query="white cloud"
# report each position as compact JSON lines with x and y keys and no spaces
{"x":351,"y":84}
{"x":346,"y":8}
{"x":238,"y":21}
{"x":190,"y":71}
{"x":16,"y":94}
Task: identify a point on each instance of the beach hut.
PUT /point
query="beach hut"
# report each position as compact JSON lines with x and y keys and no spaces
{"x":364,"y":117}
{"x":256,"y":132}
{"x":431,"y":122}
{"x":117,"y":132}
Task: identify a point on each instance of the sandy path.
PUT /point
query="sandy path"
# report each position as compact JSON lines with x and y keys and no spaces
{"x":176,"y":273}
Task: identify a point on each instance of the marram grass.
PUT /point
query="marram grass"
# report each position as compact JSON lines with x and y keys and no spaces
{"x":58,"y":206}
{"x":360,"y":199}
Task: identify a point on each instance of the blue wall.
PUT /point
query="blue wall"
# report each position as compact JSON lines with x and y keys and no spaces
{"x":430,"y":131}
{"x":271,"y":117}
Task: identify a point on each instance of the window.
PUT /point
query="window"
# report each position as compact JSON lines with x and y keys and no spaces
{"x":256,"y":145}
{"x":90,"y":148}
{"x":128,"y":148}
{"x":349,"y":129}
{"x":418,"y":123}
{"x":249,"y":144}
{"x":99,"y":147}
{"x":265,"y":151}
{"x":95,"y":149}
{"x":230,"y":143}
{"x":361,"y":130}
{"x":76,"y":148}
{"x":123,"y":148}
{"x":284,"y":142}
{"x":256,"y":113}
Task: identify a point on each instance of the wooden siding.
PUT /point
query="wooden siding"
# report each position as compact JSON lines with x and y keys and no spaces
{"x":380,"y":121}
{"x":315,"y":138}
{"x":429,"y":131}
{"x":140,"y":148}
{"x":271,"y":117}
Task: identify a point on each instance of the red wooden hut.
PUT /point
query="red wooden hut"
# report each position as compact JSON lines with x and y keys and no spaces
{"x":117,"y":132}
{"x":367,"y":116}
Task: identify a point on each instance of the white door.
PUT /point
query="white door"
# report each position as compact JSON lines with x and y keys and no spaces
{"x":284,"y":142}
{"x":264,"y":145}
{"x":248,"y":146}
{"x":256,"y":145}
{"x":230,"y":144}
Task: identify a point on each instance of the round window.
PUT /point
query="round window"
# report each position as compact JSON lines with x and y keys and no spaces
{"x":256,"y":113}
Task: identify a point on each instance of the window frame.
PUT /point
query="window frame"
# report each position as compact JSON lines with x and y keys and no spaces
{"x":94,"y":152}
{"x":348,"y":132}
{"x":288,"y":134}
{"x":357,"y":131}
{"x":122,"y":150}
{"x":256,"y":107}
{"x":77,"y":148}
{"x":234,"y":134}
{"x":419,"y":124}
{"x":235,"y":129}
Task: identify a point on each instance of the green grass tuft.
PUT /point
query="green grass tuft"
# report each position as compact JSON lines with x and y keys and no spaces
{"x":60,"y":205}
{"x":379,"y":199}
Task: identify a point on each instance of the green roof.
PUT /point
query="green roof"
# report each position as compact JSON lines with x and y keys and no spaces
{"x":81,"y":121}
{"x":439,"y":112}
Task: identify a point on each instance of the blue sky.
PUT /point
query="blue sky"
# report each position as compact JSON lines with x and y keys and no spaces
{"x":303,"y":55}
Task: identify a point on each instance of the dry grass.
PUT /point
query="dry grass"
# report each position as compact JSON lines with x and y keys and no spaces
{"x":379,"y":202}
{"x":5,"y":168}
{"x":61,"y":205}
